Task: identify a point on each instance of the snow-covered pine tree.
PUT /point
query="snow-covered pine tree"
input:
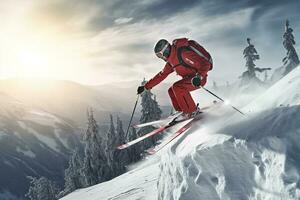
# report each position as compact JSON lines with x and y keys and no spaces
{"x":42,"y":188}
{"x":251,"y":55}
{"x":150,"y":112}
{"x":291,"y":60}
{"x":94,"y":165}
{"x":74,"y":178}
{"x":110,"y":147}
{"x":116,"y":159}
{"x":122,"y":157}
{"x":135,"y":151}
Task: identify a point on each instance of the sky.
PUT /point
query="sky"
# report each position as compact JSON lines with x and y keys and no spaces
{"x":99,"y":42}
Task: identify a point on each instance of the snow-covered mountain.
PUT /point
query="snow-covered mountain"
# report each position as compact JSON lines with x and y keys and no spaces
{"x":70,"y":100}
{"x":67,"y":99}
{"x":224,"y":156}
{"x":34,"y":143}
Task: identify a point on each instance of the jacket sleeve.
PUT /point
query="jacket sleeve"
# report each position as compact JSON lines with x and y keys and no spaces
{"x":159,"y":77}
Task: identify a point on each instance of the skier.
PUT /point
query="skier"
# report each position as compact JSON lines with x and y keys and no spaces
{"x":192,"y":62}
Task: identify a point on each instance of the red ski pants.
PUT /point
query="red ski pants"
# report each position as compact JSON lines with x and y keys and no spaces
{"x":181,"y":97}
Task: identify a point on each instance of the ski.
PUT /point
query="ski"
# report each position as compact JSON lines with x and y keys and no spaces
{"x":173,"y":137}
{"x":169,"y":118}
{"x":154,"y":132}
{"x":158,"y":130}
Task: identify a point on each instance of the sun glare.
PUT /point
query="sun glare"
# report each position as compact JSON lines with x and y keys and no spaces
{"x":37,"y":47}
{"x":227,"y":102}
{"x":32,"y":63}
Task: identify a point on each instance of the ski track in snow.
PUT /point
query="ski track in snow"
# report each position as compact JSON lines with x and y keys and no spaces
{"x":225,"y":156}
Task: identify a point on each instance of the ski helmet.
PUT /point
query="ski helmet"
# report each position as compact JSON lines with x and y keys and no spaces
{"x":162,"y":49}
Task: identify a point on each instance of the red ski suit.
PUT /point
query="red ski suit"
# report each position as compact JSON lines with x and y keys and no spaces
{"x":180,"y":91}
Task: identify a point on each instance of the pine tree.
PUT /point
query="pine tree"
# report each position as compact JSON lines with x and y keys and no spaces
{"x":42,"y":188}
{"x":113,"y":139}
{"x":251,"y":55}
{"x":111,"y":143}
{"x":94,"y":165}
{"x":150,"y":112}
{"x":291,"y":60}
{"x":135,"y":151}
{"x":73,"y":174}
{"x":121,"y":157}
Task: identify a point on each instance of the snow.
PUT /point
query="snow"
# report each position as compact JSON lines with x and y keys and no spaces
{"x":28,"y":153}
{"x":2,"y":134}
{"x":58,"y":132}
{"x":224,"y":156}
{"x":284,"y":93}
{"x":41,"y":117}
{"x":47,"y":140}
{"x":136,"y":184}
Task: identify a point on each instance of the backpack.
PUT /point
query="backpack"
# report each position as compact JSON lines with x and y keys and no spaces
{"x":198,"y":49}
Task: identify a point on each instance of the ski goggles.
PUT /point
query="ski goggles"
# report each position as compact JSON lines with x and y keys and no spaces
{"x":160,"y":54}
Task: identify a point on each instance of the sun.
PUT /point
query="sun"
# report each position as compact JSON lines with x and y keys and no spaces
{"x":32,"y":63}
{"x":37,"y":45}
{"x":21,"y":57}
{"x":23,"y":53}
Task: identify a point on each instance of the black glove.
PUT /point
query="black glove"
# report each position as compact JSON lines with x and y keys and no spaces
{"x":196,"y":81}
{"x":140,"y":89}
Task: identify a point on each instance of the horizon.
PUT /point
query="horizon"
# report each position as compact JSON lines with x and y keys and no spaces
{"x":42,"y":79}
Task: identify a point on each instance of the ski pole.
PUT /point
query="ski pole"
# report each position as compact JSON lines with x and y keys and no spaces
{"x":137,"y":99}
{"x":222,"y":100}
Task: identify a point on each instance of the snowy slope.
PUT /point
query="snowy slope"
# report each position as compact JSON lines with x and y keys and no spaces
{"x":284,"y":93}
{"x":251,"y":158}
{"x":225,"y":156}
{"x":139,"y":183}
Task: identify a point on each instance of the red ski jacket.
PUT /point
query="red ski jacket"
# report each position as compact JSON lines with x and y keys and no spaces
{"x":192,"y":62}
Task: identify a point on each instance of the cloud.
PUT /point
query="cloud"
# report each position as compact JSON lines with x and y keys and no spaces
{"x":123,"y":20}
{"x":116,"y":37}
{"x":130,"y":46}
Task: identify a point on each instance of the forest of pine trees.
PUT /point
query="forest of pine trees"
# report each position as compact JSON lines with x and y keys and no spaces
{"x":101,"y":161}
{"x":42,"y":188}
{"x":98,"y":160}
